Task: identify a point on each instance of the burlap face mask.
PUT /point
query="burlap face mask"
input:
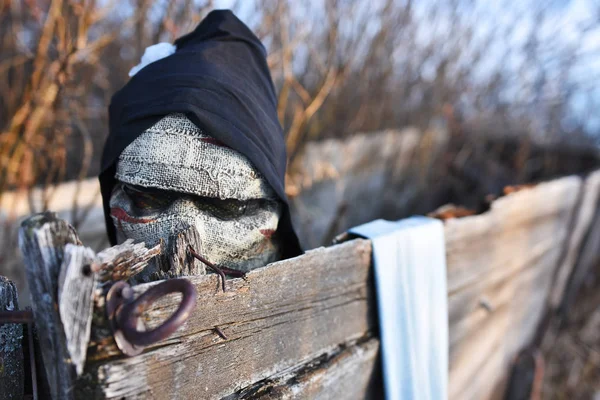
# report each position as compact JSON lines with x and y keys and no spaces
{"x":174,"y":176}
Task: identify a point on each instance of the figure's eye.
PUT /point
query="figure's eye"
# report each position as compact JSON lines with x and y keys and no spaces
{"x":148,"y":199}
{"x":229,"y":209}
{"x":225,"y":209}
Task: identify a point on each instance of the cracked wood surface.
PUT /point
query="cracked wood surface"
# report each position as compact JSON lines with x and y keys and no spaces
{"x":278,"y":317}
{"x":42,"y":240}
{"x":75,"y":301}
{"x":350,"y":373}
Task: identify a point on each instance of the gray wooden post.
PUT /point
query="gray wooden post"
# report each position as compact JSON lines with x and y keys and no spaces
{"x":42,"y":240}
{"x":11,"y":350}
{"x":63,"y":276}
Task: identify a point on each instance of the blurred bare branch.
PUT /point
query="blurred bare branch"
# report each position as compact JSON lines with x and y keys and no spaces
{"x":340,"y":67}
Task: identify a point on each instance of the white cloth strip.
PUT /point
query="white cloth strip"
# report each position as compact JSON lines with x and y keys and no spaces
{"x":410,"y":274}
{"x":152,"y":54}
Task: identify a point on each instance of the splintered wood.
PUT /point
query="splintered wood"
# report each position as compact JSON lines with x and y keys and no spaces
{"x":176,"y":261}
{"x":76,"y":286}
{"x":63,"y":277}
{"x":42,"y":240}
{"x":123,"y":261}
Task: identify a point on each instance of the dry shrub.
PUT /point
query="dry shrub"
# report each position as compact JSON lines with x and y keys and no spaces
{"x":509,"y":72}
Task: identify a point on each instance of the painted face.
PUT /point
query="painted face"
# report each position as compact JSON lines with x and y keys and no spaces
{"x":173,"y":177}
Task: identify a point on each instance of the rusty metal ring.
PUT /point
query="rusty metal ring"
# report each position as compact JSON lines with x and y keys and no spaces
{"x":124,"y":312}
{"x":120,"y":292}
{"x":127,"y":316}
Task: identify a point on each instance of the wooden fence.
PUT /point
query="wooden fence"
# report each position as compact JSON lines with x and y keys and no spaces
{"x":307,"y":327}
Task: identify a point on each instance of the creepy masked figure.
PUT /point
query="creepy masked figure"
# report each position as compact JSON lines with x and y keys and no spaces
{"x":195,"y":142}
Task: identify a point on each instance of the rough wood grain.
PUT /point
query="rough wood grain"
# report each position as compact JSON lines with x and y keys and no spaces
{"x":177,"y":261}
{"x":280,"y":316}
{"x":500,"y":269}
{"x":11,"y":349}
{"x":76,"y":285}
{"x":587,"y":259}
{"x":584,"y":213}
{"x":42,"y":239}
{"x":352,"y":373}
{"x":123,"y":261}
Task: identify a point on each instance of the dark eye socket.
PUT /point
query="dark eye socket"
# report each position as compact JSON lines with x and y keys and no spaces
{"x":148,"y":199}
{"x":226,"y":209}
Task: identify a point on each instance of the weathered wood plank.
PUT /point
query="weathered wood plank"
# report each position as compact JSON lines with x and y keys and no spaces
{"x":333,"y":175}
{"x":352,"y":373}
{"x":123,"y":261}
{"x":500,"y":270}
{"x":42,"y":239}
{"x":513,"y":228}
{"x":587,"y":259}
{"x":177,"y":261}
{"x":479,"y":359}
{"x":76,"y":285}
{"x":62,"y":276}
{"x":11,"y":349}
{"x":278,"y":317}
{"x":584,"y":217}
{"x":529,"y":285}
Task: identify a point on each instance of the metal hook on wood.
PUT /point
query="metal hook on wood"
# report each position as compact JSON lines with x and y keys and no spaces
{"x":124,"y":313}
{"x":221,"y":270}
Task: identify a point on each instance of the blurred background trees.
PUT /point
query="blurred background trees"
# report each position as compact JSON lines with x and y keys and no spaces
{"x":525,"y":69}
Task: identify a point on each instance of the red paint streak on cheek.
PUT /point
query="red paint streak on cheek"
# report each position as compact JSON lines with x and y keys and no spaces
{"x":268,"y":233}
{"x":122,"y":215}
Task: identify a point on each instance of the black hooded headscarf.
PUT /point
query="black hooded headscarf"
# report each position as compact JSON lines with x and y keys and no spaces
{"x":219,"y":78}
